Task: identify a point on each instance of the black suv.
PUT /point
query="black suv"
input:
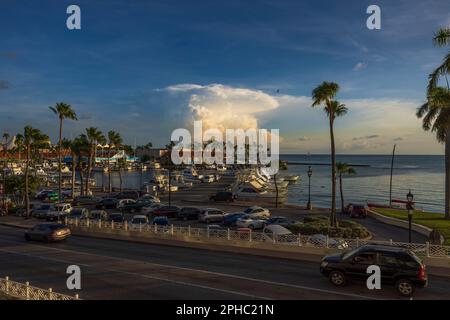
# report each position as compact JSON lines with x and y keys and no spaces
{"x":399,"y":267}
{"x":223,"y":196}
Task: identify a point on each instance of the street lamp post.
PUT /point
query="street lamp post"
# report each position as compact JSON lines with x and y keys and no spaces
{"x":309,"y":205}
{"x":410,"y":208}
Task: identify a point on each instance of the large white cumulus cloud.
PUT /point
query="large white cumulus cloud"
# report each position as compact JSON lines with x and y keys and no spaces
{"x":224,"y":107}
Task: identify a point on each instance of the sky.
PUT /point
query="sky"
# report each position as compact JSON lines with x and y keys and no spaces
{"x":145,"y":68}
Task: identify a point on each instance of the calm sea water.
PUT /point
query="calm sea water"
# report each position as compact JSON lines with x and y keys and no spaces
{"x":424,"y":175}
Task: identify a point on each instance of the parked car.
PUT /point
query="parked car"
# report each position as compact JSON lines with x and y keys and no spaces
{"x":277,"y":233}
{"x":211,"y":215}
{"x":128,"y":195}
{"x":223,"y":196}
{"x":399,"y":267}
{"x":85,"y":201}
{"x":208,"y":178}
{"x":250,"y":222}
{"x":150,"y":209}
{"x":45,"y":194}
{"x":78,"y":213}
{"x":320,"y":240}
{"x":257,"y":212}
{"x":282,"y":221}
{"x":48,"y":232}
{"x":168,"y":211}
{"x":123,"y":202}
{"x":161,"y":221}
{"x":135,"y":206}
{"x":42,"y":210}
{"x":116,"y":217}
{"x":189,"y":213}
{"x":230,"y":219}
{"x":107,"y":203}
{"x":150,"y":198}
{"x":98,"y":215}
{"x":138,"y":221}
{"x":60,"y":212}
{"x":358,"y":211}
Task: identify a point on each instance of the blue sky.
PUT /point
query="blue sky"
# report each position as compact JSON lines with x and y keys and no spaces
{"x":145,"y":68}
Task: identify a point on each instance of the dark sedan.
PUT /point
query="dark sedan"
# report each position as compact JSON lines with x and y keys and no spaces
{"x":107,"y":203}
{"x":168,"y":211}
{"x":48,"y":232}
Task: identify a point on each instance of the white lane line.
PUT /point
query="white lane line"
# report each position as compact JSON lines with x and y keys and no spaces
{"x":352,"y":295}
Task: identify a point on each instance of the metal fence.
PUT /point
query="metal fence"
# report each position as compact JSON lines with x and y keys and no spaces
{"x":271,"y":240}
{"x":27,"y":292}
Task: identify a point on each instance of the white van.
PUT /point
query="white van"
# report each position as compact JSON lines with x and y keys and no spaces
{"x":277,"y":233}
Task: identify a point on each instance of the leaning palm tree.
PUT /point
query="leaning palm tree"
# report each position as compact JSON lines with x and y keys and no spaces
{"x":63,"y":111}
{"x":324,"y":95}
{"x":436,"y":118}
{"x":114,"y":141}
{"x":31,"y":137}
{"x":94,"y":137}
{"x":343,"y":169}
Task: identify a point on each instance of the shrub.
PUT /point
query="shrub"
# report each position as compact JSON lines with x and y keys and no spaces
{"x":323,"y":219}
{"x":320,"y":225}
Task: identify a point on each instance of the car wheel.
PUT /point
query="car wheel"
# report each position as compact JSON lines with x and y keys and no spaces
{"x":405,"y":287}
{"x":337,"y":278}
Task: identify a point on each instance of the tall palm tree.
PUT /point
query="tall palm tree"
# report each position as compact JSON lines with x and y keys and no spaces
{"x":5,"y":164}
{"x":121,"y":164}
{"x":63,"y":111}
{"x":94,"y":137}
{"x":436,"y":118}
{"x":80,"y":148}
{"x":69,"y":145}
{"x":324,"y":95}
{"x":31,"y":137}
{"x":114,"y":141}
{"x":343,"y":169}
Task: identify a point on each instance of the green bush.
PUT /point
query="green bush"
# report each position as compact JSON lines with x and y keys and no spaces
{"x":321,"y":225}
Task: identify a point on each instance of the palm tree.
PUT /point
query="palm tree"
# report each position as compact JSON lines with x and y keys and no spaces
{"x":79,"y":148}
{"x":436,"y":118}
{"x":343,"y":169}
{"x":5,"y":164}
{"x":30,"y":138}
{"x":325,"y":94}
{"x":114,"y":141}
{"x":63,"y":111}
{"x":94,"y":137}
{"x":436,"y":110}
{"x":121,"y":164}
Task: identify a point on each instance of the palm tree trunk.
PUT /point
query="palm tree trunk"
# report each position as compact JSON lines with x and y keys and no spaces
{"x":276,"y":190}
{"x":333,"y":175}
{"x":120,"y":178}
{"x":109,"y":171}
{"x":342,"y":193}
{"x":89,"y":166}
{"x":27,"y":196}
{"x":80,"y":166}
{"x":447,"y":175}
{"x":74,"y":168}
{"x":60,"y":160}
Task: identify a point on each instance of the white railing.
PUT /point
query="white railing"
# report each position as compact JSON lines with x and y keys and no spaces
{"x":27,"y":292}
{"x":237,"y":236}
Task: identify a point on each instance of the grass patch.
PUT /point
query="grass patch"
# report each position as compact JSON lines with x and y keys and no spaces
{"x":430,"y":220}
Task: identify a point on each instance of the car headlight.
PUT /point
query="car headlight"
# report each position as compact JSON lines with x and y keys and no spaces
{"x":324,"y":264}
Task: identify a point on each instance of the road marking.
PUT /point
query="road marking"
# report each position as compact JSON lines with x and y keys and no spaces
{"x":358,"y":296}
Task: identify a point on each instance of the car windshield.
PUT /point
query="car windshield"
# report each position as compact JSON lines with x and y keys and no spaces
{"x":55,"y":226}
{"x":139,"y":220}
{"x":45,"y":207}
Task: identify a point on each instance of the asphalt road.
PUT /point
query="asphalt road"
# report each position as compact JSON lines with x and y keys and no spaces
{"x":125,"y":270}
